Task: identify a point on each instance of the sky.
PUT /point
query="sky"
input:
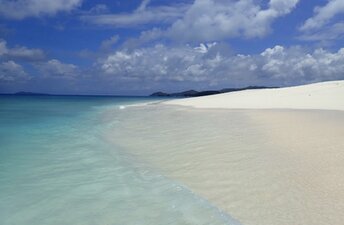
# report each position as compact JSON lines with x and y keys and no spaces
{"x":136,"y":47}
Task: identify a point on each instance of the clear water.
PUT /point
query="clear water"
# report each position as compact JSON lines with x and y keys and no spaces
{"x":57,"y":167}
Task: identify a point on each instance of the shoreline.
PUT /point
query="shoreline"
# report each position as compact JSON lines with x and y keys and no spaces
{"x":261,"y":166}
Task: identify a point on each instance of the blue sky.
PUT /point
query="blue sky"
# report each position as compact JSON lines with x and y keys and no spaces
{"x":137,"y":47}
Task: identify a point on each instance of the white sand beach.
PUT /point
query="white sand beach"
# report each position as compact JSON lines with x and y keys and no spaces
{"x":250,"y":153}
{"x":324,"y":95}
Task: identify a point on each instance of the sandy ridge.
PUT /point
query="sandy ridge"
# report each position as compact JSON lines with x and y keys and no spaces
{"x":324,"y":95}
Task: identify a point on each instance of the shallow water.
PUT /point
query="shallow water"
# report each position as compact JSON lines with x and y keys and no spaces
{"x":57,"y":166}
{"x":261,"y":166}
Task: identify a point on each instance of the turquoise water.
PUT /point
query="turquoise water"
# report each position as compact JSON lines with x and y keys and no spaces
{"x":56,"y":167}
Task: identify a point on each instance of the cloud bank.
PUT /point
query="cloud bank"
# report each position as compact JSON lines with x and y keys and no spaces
{"x":215,"y":65}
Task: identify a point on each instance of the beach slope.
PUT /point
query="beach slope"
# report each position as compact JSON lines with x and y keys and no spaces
{"x":325,"y":95}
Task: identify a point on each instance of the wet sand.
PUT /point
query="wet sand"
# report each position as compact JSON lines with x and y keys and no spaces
{"x":259,"y":166}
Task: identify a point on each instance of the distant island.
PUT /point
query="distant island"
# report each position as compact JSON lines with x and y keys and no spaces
{"x":29,"y":93}
{"x":193,"y":93}
{"x":189,"y":93}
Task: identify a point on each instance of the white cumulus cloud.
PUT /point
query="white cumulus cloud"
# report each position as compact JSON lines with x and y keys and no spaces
{"x":213,"y":65}
{"x":20,"y":9}
{"x":108,"y":43}
{"x":20,"y":53}
{"x":56,"y":69}
{"x":11,"y":71}
{"x":212,"y":20}
{"x":326,"y":34}
{"x":323,"y":25}
{"x":323,"y":15}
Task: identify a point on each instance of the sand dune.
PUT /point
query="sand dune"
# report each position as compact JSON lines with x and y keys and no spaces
{"x":324,"y":95}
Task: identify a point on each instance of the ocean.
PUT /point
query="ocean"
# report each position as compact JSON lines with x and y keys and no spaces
{"x":58,"y":166}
